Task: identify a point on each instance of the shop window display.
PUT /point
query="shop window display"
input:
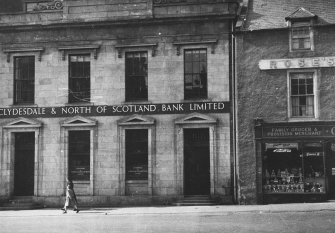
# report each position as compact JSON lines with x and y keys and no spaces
{"x":294,"y":168}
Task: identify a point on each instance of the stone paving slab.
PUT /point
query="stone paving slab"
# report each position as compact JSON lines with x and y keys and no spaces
{"x":208,"y":210}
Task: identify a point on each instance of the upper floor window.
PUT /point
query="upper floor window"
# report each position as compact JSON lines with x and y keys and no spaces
{"x":195,"y":73}
{"x":136,"y":76}
{"x":301,"y":36}
{"x":302,"y":94}
{"x":79,"y":78}
{"x":24,"y":80}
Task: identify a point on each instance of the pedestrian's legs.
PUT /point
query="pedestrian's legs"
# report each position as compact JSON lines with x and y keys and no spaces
{"x":75,"y":205}
{"x":67,"y":200}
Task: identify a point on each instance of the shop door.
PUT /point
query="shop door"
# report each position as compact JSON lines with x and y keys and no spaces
{"x":330,"y":169}
{"x":24,"y":164}
{"x":196,"y":162}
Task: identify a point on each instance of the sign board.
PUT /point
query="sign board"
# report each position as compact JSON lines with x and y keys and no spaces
{"x":80,"y":172}
{"x":313,"y":154}
{"x":296,"y":63}
{"x":333,"y":171}
{"x":137,"y":172}
{"x":298,"y":131}
{"x":281,"y":145}
{"x":116,"y":110}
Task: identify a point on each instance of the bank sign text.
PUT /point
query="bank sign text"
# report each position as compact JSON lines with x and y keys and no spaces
{"x":115,"y":110}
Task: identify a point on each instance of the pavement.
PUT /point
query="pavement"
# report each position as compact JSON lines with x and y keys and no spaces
{"x":168,"y":210}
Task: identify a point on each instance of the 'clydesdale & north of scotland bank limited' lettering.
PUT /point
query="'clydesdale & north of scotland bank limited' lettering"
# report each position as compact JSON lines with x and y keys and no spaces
{"x":115,"y":110}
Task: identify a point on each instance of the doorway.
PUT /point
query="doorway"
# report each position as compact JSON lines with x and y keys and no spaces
{"x":24,"y":154}
{"x":196,"y":162}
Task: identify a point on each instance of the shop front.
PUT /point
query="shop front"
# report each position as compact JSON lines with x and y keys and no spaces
{"x":295,"y":161}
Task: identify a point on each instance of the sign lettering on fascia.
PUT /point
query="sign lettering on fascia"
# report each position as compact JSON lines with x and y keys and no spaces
{"x":299,"y":131}
{"x":116,"y":110}
{"x":296,"y":63}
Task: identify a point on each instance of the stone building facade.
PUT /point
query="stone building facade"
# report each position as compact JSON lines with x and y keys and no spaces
{"x":285,"y":62}
{"x":129,"y":99}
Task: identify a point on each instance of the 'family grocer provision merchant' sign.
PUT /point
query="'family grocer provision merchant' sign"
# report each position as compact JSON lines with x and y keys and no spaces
{"x":115,"y":110}
{"x":299,"y":131}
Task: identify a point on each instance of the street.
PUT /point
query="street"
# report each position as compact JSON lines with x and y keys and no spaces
{"x":172,"y":219}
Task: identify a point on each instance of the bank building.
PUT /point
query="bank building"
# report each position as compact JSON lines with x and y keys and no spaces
{"x":129,"y":99}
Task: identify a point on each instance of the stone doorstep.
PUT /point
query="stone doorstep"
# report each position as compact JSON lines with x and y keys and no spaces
{"x":20,"y":203}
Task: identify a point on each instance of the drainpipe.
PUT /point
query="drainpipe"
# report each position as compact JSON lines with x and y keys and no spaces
{"x":233,"y":111}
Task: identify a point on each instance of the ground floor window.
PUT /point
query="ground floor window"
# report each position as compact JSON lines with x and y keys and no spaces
{"x":24,"y":163}
{"x":136,"y":154}
{"x":79,"y":155}
{"x":294,"y":168}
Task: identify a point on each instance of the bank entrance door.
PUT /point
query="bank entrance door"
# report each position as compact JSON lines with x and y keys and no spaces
{"x":24,"y":152}
{"x":196,"y":162}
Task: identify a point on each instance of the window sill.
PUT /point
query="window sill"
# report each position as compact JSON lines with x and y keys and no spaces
{"x":196,"y":100}
{"x":79,"y":103}
{"x":81,"y":182}
{"x":137,"y":102}
{"x":299,"y":53}
{"x":23,"y":105}
{"x":295,"y":119}
{"x":137,"y":181}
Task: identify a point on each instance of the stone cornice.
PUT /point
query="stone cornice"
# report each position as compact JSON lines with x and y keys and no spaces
{"x":108,"y":23}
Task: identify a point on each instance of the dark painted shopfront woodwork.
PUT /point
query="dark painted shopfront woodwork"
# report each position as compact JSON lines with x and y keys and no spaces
{"x":196,"y":162}
{"x":24,"y":164}
{"x":330,"y":169}
{"x":296,"y":161}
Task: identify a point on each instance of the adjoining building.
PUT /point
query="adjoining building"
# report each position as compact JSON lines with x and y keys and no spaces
{"x":285,"y":61}
{"x":129,"y":99}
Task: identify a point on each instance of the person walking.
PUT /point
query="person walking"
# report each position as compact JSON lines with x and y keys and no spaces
{"x":70,"y":198}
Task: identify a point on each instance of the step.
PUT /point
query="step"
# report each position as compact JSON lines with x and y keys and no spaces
{"x":197,"y":197}
{"x":193,"y":204}
{"x":196,"y":200}
{"x":20,"y":203}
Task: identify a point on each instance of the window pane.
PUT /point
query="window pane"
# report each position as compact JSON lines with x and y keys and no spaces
{"x":302,"y":89}
{"x":196,"y":68}
{"x":203,"y":56}
{"x":307,"y":44}
{"x":294,"y":89}
{"x":295,"y":43}
{"x":188,"y":68}
{"x":310,"y":89}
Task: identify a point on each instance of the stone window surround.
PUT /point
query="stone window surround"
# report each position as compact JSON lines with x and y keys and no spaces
{"x":24,"y":52}
{"x":195,"y":120}
{"x":74,"y":124}
{"x":7,"y":161}
{"x":315,"y":90}
{"x":137,"y":122}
